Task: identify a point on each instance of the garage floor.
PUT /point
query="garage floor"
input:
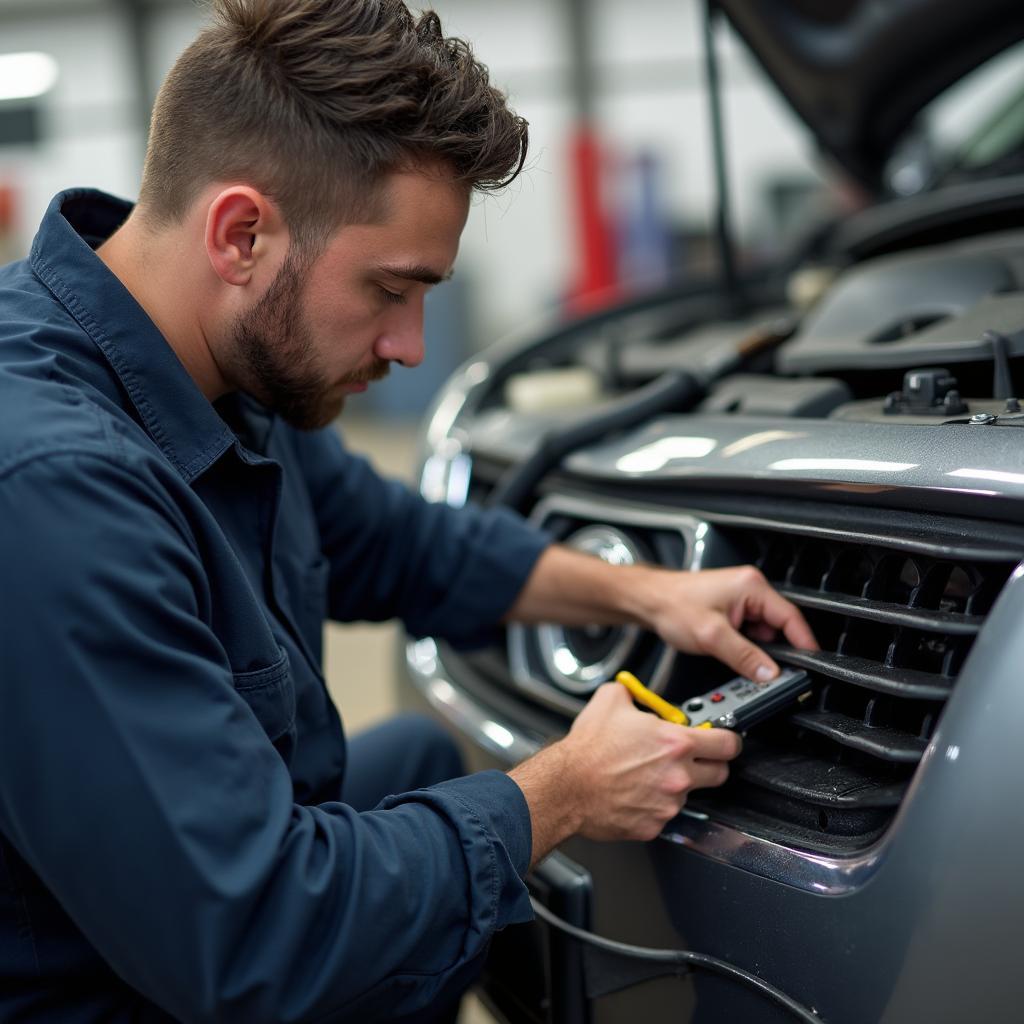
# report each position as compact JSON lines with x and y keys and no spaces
{"x":369,"y":696}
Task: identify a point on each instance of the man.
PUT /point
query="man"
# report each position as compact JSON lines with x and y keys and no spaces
{"x":177,"y":522}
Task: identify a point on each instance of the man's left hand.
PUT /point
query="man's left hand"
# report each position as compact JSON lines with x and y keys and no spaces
{"x":703,"y":612}
{"x":696,"y":612}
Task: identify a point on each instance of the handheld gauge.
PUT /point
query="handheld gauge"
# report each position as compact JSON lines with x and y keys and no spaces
{"x":741,"y":702}
{"x":737,"y":704}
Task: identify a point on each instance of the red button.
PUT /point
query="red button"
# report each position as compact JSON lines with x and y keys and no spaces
{"x":717,"y":698}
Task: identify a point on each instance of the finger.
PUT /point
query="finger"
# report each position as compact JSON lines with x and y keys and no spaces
{"x":778,"y":612}
{"x":718,"y":638}
{"x":604,"y":702}
{"x":714,"y":745}
{"x":762,"y":632}
{"x":737,"y":613}
{"x":610,"y":694}
{"x":707,"y":774}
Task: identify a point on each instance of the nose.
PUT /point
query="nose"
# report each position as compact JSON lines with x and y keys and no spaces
{"x":402,"y":341}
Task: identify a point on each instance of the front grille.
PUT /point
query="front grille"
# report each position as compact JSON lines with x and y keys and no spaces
{"x":896,"y":617}
{"x":894,"y":627}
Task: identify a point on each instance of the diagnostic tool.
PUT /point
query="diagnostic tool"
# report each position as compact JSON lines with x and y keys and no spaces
{"x":741,"y":703}
{"x":737,"y":704}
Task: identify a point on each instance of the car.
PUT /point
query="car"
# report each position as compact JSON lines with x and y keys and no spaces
{"x":848,"y":421}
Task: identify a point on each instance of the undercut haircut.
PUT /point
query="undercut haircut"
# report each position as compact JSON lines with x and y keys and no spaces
{"x":314,"y":102}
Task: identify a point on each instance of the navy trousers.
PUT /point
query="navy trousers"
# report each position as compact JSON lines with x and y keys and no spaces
{"x":404,"y":753}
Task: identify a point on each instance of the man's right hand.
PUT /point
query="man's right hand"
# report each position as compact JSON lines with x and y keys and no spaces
{"x":621,"y":773}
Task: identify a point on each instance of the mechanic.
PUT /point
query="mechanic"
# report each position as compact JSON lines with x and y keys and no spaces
{"x":181,"y":833}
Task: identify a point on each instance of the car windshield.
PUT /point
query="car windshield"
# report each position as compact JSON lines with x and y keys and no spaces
{"x":973,"y":129}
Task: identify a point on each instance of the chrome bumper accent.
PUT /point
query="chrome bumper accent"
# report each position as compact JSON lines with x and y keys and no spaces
{"x":429,"y":677}
{"x":817,"y":873}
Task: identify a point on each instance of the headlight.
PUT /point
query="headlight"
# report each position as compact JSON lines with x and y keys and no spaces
{"x":579,"y":659}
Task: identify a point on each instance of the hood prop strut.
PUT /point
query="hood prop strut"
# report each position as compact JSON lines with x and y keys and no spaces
{"x":723,"y":211}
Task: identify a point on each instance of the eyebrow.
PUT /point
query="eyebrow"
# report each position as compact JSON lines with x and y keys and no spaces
{"x":416,"y":272}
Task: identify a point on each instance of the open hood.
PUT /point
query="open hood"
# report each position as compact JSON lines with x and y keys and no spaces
{"x":858,"y":71}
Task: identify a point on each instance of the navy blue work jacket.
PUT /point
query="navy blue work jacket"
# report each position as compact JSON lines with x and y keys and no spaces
{"x":172,"y":845}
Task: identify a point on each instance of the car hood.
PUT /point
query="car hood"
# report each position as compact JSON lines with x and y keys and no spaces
{"x":858,"y":71}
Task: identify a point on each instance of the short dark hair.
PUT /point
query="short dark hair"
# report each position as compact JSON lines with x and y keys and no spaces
{"x":315,"y":101}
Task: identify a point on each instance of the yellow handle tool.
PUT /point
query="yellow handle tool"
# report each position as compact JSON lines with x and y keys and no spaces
{"x":658,"y":705}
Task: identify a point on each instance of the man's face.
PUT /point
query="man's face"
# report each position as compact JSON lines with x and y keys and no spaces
{"x":324,"y":331}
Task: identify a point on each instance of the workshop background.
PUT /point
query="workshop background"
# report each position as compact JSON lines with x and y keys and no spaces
{"x":617,"y":195}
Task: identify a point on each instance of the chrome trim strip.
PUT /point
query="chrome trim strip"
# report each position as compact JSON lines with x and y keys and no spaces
{"x":638,"y":514}
{"x":922,"y":547}
{"x":432,"y":681}
{"x":693,"y":530}
{"x":812,"y":872}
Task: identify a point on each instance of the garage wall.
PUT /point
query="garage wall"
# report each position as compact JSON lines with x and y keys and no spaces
{"x":518,"y":251}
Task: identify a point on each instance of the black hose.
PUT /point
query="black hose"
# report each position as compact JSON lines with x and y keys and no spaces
{"x":673,"y":391}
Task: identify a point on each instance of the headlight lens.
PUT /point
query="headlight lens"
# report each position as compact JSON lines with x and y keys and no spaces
{"x":580,"y":658}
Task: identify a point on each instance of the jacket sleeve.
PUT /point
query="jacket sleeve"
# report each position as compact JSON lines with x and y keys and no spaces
{"x":139,"y":786}
{"x":450,"y":573}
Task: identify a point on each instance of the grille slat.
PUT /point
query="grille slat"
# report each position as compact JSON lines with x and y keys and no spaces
{"x":819,"y":783}
{"x":899,"y":682}
{"x":881,"y":611}
{"x":888,"y":744}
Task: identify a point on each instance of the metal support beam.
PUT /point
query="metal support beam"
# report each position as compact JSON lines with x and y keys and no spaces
{"x":581,"y":59}
{"x":723,"y":211}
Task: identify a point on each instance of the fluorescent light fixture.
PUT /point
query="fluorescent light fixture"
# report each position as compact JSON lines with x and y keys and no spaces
{"x":24,"y":75}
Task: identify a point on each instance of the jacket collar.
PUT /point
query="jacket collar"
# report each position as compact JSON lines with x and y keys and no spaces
{"x":172,"y":409}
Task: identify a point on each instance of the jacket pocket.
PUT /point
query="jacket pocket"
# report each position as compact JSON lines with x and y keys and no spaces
{"x":270,"y":692}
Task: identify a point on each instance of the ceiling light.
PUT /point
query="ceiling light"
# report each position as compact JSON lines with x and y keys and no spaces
{"x":23,"y":75}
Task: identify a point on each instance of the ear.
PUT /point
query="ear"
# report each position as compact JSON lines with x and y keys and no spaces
{"x":244,"y":232}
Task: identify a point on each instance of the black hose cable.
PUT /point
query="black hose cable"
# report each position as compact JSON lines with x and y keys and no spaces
{"x":675,"y":391}
{"x":678,"y":956}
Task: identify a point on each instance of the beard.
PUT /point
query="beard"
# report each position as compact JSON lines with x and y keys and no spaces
{"x":274,"y":345}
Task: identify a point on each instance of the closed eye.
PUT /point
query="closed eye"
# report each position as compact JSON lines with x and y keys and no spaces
{"x":389,"y":296}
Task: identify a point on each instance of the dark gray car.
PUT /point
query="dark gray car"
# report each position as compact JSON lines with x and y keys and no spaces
{"x":866,"y":450}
